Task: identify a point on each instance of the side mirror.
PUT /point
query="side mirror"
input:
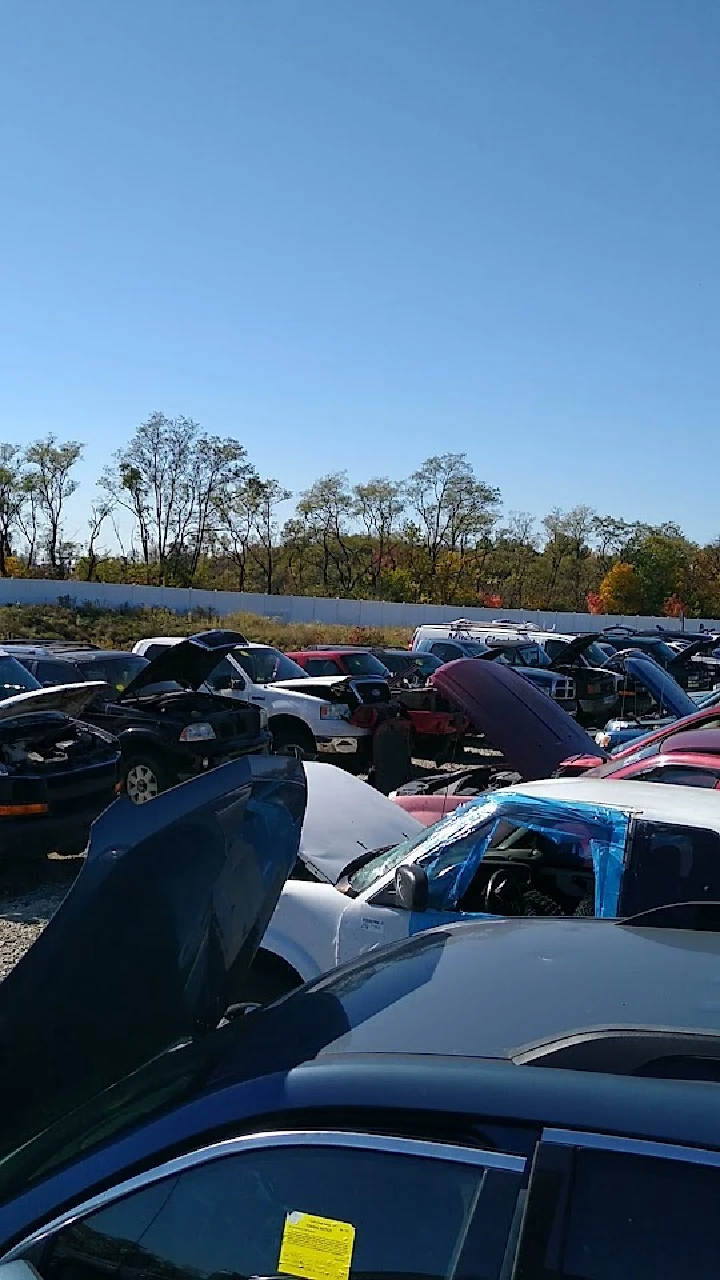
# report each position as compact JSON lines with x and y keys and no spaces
{"x":411,"y":888}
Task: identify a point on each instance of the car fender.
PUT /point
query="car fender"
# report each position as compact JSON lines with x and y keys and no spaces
{"x":138,"y":737}
{"x":304,"y":927}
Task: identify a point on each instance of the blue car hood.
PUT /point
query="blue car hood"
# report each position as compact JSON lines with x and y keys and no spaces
{"x":165,"y":916}
{"x":658,"y":682}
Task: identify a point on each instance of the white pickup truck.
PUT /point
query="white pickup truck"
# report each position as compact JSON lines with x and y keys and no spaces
{"x":319,"y":722}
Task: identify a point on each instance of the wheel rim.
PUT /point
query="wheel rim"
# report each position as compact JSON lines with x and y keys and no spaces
{"x":141,"y":784}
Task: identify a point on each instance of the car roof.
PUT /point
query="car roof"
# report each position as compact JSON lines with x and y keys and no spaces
{"x":686,"y":805}
{"x":560,"y":977}
{"x":249,"y":644}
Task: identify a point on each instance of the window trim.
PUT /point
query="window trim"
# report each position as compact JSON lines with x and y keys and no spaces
{"x":630,"y":1146}
{"x":444,"y":1151}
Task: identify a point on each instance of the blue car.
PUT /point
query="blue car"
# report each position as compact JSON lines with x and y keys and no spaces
{"x":517,"y":1099}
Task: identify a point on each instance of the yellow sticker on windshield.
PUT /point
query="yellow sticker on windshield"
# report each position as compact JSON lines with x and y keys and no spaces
{"x":316,"y":1248}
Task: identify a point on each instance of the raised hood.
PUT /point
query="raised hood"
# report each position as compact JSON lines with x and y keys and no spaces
{"x":346,"y":818}
{"x":146,"y":949}
{"x":189,"y":662}
{"x":658,"y":682}
{"x":70,"y":698}
{"x":700,"y":646}
{"x":533,"y":732}
{"x":572,"y":650}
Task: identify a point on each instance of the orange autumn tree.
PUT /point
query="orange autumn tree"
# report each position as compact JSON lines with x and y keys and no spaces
{"x":621,"y":590}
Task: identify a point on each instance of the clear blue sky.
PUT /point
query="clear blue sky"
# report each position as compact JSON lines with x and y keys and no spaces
{"x":357,"y":232}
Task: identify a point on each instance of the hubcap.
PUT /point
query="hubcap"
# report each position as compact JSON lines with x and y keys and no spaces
{"x":141,"y":784}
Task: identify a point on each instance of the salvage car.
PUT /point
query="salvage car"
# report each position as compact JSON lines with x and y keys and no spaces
{"x":305,"y":720}
{"x":168,"y":729}
{"x":437,"y":728}
{"x":187,"y":1144}
{"x":692,"y":665}
{"x":57,"y":773}
{"x":456,"y":642}
{"x":580,"y":846}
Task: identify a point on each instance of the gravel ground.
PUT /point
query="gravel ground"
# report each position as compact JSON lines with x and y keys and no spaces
{"x":29,"y":896}
{"x":30,"y":893}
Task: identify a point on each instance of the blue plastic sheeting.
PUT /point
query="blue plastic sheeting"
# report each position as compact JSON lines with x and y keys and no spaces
{"x":598,"y":833}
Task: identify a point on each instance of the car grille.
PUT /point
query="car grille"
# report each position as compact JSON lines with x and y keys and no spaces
{"x":236,"y":724}
{"x":564,"y":690}
{"x":371,"y":691}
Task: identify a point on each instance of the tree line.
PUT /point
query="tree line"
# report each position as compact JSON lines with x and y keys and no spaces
{"x":177,"y":506}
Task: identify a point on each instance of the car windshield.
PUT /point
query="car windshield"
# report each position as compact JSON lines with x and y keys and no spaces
{"x":266,"y":665}
{"x":15,"y":679}
{"x":471,"y":648}
{"x":399,"y":664}
{"x":364,"y":664}
{"x":426,"y":663}
{"x":118,"y":670}
{"x":460,"y":822}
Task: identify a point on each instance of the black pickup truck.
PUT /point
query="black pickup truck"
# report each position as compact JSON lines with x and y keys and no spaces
{"x":168,"y":728}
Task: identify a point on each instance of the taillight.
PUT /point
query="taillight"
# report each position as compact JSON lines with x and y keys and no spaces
{"x":364,"y":717}
{"x":21,"y":810}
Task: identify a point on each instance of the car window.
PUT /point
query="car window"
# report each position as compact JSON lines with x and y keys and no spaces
{"x":116,"y":671}
{"x":669,"y":863}
{"x":680,"y":775}
{"x":601,"y":1215}
{"x":264,"y":666}
{"x":226,"y":676}
{"x":365,"y":664}
{"x":448,"y":652}
{"x":14,"y":678}
{"x":320,"y":1212}
{"x":430,"y":843}
{"x":58,"y":673}
{"x":322,"y":667}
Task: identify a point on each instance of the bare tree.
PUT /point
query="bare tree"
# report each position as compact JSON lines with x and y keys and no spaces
{"x":11,"y":498}
{"x":379,"y":504}
{"x":264,"y":497}
{"x":51,"y":484}
{"x":173,"y":479}
{"x":99,"y":512}
{"x":326,"y":509}
{"x":454,"y":510}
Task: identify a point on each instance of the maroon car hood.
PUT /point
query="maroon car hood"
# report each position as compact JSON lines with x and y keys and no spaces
{"x":533,"y":733}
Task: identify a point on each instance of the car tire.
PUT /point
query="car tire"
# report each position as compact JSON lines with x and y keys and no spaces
{"x":143,"y":779}
{"x":293,"y":738}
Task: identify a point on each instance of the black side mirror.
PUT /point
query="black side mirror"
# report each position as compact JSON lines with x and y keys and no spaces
{"x":411,"y":888}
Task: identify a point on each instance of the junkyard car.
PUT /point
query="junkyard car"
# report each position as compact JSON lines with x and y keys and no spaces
{"x":451,"y":644}
{"x":305,"y":717}
{"x":561,"y":1130}
{"x":57,"y":773}
{"x":437,"y":727}
{"x":168,"y":730}
{"x":559,"y":847}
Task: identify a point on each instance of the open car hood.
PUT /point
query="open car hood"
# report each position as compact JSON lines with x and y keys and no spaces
{"x":345,"y":818}
{"x":533,"y":732}
{"x":658,"y":682}
{"x":189,"y":663}
{"x":164,"y":918}
{"x":703,"y":645}
{"x":70,"y":698}
{"x":572,"y":650}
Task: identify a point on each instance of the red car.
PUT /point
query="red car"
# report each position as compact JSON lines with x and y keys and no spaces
{"x":690,"y":759}
{"x":437,"y":728}
{"x":709,"y":718}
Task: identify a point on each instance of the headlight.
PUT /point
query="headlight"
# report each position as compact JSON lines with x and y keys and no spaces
{"x":197,"y":732}
{"x":603,"y":740}
{"x":334,"y":711}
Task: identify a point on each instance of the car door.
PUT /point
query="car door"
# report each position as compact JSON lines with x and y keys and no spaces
{"x":591,"y":838}
{"x":669,"y":863}
{"x":601,"y":1207}
{"x":312,"y":1204}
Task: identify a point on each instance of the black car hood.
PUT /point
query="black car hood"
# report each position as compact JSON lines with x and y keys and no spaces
{"x":692,"y":650}
{"x":533,"y":732}
{"x":164,"y":918}
{"x":189,"y":662}
{"x":658,"y":682}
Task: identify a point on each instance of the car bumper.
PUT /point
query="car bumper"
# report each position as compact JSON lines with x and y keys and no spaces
{"x":37,"y":835}
{"x":337,"y":746}
{"x":189,"y":765}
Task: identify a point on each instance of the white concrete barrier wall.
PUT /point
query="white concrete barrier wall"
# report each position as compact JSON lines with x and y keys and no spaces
{"x":366,"y":613}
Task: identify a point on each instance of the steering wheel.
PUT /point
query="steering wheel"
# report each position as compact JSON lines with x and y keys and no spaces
{"x":504,"y":892}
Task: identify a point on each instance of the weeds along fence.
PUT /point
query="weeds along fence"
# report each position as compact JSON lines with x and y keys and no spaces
{"x":305,"y":609}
